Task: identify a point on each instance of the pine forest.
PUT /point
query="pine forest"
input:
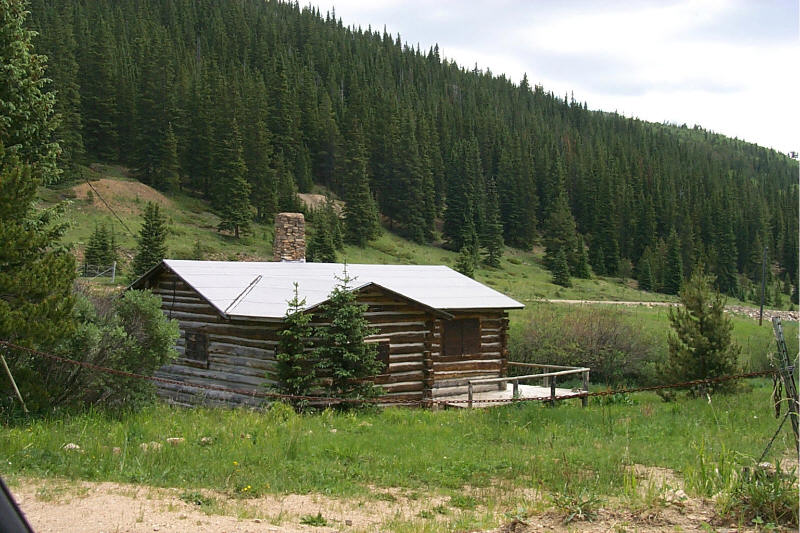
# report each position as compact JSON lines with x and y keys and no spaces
{"x":249,"y":102}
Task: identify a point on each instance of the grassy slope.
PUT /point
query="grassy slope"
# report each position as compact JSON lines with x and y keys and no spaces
{"x":521,"y":274}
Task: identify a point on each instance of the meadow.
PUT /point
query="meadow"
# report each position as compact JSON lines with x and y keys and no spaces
{"x":481,"y":466}
{"x":567,"y":453}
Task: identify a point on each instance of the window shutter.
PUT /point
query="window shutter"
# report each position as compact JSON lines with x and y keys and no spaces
{"x":452,"y":337}
{"x":471,"y":335}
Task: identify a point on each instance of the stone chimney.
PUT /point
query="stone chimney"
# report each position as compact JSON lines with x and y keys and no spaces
{"x":290,"y":238}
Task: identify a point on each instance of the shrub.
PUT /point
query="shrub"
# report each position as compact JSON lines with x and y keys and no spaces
{"x":701,"y":346}
{"x":129,"y":333}
{"x":599,"y":338}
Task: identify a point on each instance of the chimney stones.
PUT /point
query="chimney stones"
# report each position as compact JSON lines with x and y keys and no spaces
{"x":290,"y":238}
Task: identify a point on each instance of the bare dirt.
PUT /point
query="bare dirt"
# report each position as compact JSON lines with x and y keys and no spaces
{"x":315,"y":201}
{"x":126,"y":197}
{"x":86,"y":507}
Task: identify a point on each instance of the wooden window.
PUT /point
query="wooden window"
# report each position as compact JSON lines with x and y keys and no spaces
{"x":196,"y":348}
{"x":382,"y":353}
{"x":462,"y":337}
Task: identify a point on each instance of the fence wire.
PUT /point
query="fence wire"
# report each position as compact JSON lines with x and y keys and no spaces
{"x":330,"y":400}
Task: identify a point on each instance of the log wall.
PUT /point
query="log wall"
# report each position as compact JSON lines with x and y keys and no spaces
{"x":451,"y":373}
{"x":241,"y":354}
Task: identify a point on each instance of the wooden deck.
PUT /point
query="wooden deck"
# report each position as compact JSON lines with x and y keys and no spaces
{"x":495,"y":397}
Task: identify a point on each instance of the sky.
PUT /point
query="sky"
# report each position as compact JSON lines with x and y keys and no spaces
{"x":730,"y":66}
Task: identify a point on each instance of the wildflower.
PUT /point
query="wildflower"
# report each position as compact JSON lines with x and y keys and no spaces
{"x":236,"y":463}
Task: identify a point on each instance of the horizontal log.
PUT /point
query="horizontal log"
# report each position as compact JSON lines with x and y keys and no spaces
{"x":191,"y":316}
{"x":398,"y":377}
{"x":463,"y":366}
{"x":267,"y":344}
{"x":238,"y":349}
{"x":252,"y":362}
{"x":416,"y":347}
{"x":212,"y":377}
{"x":456,"y":358}
{"x":405,"y":367}
{"x":407,"y":386}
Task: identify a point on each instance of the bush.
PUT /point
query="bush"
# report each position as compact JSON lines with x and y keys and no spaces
{"x":701,"y":345}
{"x":128,"y":333}
{"x":598,"y":338}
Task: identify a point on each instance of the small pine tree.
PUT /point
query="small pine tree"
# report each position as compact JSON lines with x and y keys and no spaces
{"x":582,"y":265}
{"x":560,"y":269}
{"x":296,"y":362}
{"x":645,"y":275}
{"x":322,"y":245}
{"x":466,"y":262}
{"x":101,"y":249}
{"x":151,"y":245}
{"x":344,"y":360}
{"x":701,"y":345}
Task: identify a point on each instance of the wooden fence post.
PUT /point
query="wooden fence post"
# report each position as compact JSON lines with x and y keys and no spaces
{"x":13,"y":383}
{"x":469,"y":394}
{"x":552,"y":391}
{"x":585,"y":398}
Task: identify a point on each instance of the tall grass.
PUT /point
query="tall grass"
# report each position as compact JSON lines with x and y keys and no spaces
{"x":277,"y":451}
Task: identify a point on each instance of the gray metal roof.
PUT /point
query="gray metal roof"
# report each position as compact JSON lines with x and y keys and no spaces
{"x":261,"y":290}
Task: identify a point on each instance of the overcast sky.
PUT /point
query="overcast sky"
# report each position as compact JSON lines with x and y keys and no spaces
{"x":730,"y":66}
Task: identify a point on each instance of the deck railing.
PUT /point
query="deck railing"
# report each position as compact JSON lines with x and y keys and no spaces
{"x":549,"y":379}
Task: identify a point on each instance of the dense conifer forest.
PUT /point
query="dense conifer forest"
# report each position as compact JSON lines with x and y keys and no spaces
{"x":248,"y":102}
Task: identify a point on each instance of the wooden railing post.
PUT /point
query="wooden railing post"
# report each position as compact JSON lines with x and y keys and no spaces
{"x":552,"y":391}
{"x":469,"y":394}
{"x":516,"y":389}
{"x":585,"y":398}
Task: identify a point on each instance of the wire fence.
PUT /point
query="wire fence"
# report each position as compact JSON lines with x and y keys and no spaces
{"x":423,"y":402}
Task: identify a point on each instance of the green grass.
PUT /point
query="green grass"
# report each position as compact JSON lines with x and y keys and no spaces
{"x":280,"y":452}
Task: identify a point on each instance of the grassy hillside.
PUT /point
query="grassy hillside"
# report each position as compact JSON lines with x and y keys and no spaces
{"x":521,"y":275}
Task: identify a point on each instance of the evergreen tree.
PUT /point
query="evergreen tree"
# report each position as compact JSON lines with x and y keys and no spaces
{"x":322,"y":245}
{"x":645,"y":275}
{"x":99,"y":95}
{"x":233,"y":197}
{"x":151,"y":245}
{"x":167,"y":175}
{"x":582,"y":266}
{"x":36,"y":273}
{"x":560,"y":269}
{"x":493,"y":230}
{"x":101,"y":249}
{"x":701,"y":345}
{"x":341,"y":354}
{"x":560,"y":234}
{"x":297,"y":372}
{"x":360,"y":211}
{"x":673,"y":273}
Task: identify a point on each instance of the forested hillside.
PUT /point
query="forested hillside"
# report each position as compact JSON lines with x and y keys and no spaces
{"x":248,"y":102}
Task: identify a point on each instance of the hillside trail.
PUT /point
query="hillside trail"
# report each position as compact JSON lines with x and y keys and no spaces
{"x":750,"y":312}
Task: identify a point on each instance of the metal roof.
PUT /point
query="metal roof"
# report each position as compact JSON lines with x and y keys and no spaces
{"x":262,"y":290}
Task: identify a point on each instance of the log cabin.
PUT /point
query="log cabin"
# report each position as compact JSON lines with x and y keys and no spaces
{"x":435,"y":328}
